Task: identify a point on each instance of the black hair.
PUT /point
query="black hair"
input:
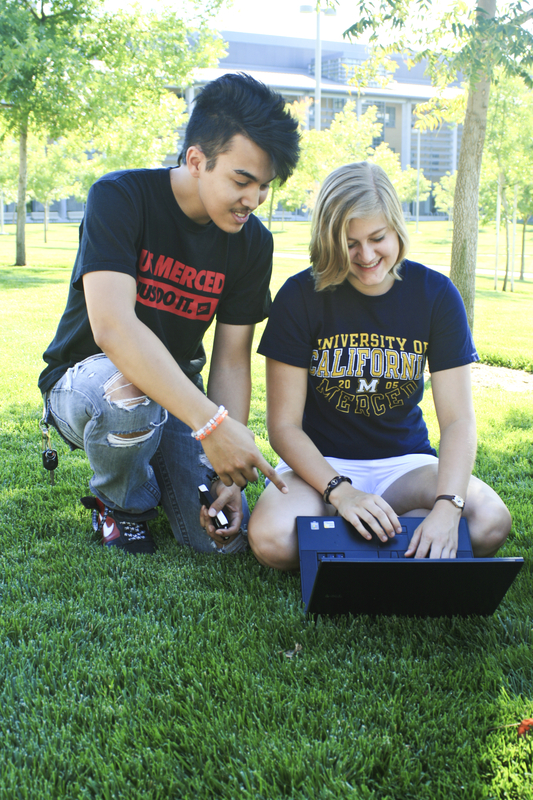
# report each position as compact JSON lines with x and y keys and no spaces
{"x":239,"y":104}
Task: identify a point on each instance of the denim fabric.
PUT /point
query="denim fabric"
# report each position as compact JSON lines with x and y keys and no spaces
{"x":158,"y":462}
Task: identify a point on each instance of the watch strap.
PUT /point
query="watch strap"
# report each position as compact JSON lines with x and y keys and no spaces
{"x":457,"y":501}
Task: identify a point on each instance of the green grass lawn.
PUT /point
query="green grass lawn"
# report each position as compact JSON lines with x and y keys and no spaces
{"x":162,"y":677}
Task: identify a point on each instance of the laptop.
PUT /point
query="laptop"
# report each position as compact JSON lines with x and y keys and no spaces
{"x":344,"y":573}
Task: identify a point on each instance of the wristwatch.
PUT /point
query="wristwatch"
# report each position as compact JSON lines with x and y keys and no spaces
{"x":453,"y":498}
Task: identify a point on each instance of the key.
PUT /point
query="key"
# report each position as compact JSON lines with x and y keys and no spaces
{"x":50,"y":462}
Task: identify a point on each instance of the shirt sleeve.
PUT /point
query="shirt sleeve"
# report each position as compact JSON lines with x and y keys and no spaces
{"x":288,"y":336}
{"x":451,"y":343}
{"x":109,"y":233}
{"x":247,"y":300}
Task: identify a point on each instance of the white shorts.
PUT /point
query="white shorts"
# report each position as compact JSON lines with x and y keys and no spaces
{"x":376,"y":475}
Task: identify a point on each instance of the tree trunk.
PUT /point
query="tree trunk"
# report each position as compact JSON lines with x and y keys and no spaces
{"x":466,"y":200}
{"x":45,"y":220}
{"x":21,"y":200}
{"x":498,"y":221}
{"x":513,"y":248}
{"x":507,"y":248}
{"x":271,"y":209}
{"x":523,"y":259}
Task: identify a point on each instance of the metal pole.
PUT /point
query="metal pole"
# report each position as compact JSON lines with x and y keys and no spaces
{"x":318,"y":71}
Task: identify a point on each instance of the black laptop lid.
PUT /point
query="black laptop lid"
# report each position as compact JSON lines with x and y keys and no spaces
{"x":342,"y":572}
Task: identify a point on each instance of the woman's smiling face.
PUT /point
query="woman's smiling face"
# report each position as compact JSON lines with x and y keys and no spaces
{"x":374,"y":248}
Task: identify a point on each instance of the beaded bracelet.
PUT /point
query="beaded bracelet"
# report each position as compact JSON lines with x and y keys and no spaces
{"x":334,"y":482}
{"x":210,"y":426}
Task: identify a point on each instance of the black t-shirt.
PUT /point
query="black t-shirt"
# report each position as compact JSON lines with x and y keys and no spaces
{"x":365,"y":357}
{"x":186,"y":273}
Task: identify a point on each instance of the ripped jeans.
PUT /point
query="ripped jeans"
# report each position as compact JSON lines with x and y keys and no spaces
{"x":139,"y":453}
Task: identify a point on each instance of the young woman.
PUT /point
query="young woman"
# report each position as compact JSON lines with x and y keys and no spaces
{"x":346,"y":345}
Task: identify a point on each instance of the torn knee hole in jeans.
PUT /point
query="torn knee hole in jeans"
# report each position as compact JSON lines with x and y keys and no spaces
{"x":129,"y":439}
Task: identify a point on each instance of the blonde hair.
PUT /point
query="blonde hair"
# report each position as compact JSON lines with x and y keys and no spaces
{"x":355,"y":191}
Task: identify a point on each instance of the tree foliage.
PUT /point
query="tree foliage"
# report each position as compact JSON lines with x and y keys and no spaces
{"x":350,"y":138}
{"x":403,"y":180}
{"x":456,"y":41}
{"x":142,"y":138}
{"x":70,"y":65}
{"x":508,"y":157}
{"x":8,"y":167}
{"x":443,"y":192}
{"x":49,"y":175}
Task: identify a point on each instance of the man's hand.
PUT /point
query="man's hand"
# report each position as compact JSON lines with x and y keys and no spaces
{"x":228,"y":499}
{"x":360,"y":507}
{"x":234,"y":455}
{"x":438,"y":535}
{"x":231,"y":448}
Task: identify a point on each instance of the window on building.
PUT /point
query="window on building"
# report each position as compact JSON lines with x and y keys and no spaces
{"x":331,"y":106}
{"x":390,"y":116}
{"x":342,"y":70}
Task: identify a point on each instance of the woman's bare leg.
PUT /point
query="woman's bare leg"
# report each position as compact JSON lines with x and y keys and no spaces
{"x":272,"y":526}
{"x":488,"y":518}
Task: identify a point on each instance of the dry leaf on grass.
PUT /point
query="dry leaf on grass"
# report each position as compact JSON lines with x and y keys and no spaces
{"x":525,"y":726}
{"x":291,"y":653}
{"x":522,"y":727}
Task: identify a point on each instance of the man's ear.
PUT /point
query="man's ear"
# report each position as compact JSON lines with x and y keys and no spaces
{"x":195,"y":160}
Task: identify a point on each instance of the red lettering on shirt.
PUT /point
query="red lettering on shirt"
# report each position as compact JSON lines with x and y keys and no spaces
{"x":200,"y":284}
{"x":218,"y":284}
{"x":145,"y":261}
{"x":189,"y":274}
{"x":178,"y":268}
{"x":161,"y":291}
{"x":175,"y":300}
{"x":173,"y":270}
{"x":163,"y":266}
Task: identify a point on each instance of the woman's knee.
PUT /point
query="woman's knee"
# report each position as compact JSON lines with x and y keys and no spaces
{"x":272,"y":527}
{"x":489,"y":522}
{"x":273,"y":541}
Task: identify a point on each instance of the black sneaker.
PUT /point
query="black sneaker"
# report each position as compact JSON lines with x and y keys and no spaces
{"x":131,"y":535}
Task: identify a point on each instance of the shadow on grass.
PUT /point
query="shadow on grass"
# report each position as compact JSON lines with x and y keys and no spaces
{"x":498,"y":296}
{"x":25,"y":278}
{"x":446,"y":242}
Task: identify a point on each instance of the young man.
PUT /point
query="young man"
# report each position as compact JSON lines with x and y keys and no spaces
{"x":162,"y":252}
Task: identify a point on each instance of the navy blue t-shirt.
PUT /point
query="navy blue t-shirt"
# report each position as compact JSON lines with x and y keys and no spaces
{"x":365,"y":357}
{"x":186,"y":273}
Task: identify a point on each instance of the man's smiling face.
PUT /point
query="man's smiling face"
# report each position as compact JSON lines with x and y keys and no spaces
{"x":237,"y":185}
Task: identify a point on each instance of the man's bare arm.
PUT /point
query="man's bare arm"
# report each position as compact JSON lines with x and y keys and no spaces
{"x":143,"y":359}
{"x":230,"y":379}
